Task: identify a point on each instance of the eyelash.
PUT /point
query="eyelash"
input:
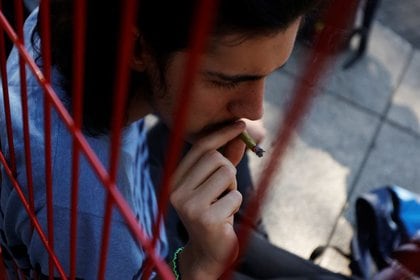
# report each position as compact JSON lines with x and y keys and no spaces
{"x":225,"y":85}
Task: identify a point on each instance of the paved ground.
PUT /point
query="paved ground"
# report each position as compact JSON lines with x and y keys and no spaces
{"x":403,"y":18}
{"x":362,"y":132}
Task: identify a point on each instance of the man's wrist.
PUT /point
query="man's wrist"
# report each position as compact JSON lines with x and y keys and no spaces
{"x":191,"y":266}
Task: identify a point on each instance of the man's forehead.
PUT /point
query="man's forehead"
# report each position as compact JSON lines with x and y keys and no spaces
{"x":237,"y":38}
{"x":218,"y":43}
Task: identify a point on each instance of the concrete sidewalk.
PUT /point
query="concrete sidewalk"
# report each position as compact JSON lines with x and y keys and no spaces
{"x":361,"y":132}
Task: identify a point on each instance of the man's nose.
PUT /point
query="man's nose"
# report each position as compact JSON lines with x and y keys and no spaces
{"x":249,"y":104}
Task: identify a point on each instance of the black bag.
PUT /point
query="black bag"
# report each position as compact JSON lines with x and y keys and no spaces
{"x":386,"y":218}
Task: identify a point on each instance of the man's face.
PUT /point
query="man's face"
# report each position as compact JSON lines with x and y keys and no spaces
{"x":230,"y":81}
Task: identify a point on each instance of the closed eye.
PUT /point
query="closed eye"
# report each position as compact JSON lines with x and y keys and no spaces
{"x":225,"y":84}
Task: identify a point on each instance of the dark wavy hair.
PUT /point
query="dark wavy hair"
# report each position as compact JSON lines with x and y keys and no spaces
{"x":164,"y":26}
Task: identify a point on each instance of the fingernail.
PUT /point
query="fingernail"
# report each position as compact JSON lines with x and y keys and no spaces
{"x":240,"y":124}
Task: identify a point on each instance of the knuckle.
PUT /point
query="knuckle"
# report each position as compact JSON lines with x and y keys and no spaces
{"x":219,"y":160}
{"x":213,"y":156}
{"x":239,"y":196}
{"x":236,"y":198}
{"x":203,"y":144}
{"x":174,"y":198}
{"x":228,"y":171}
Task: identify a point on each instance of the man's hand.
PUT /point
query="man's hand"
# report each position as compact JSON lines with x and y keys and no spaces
{"x":206,"y":198}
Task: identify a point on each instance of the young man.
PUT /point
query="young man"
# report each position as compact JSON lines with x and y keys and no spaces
{"x":250,"y":40}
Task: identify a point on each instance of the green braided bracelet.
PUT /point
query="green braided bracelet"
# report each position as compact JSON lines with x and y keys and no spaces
{"x":175,"y":261}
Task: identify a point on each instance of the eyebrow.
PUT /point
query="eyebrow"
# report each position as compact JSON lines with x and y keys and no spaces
{"x":237,"y":78}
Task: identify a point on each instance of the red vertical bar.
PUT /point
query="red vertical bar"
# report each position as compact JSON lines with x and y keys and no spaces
{"x":125,"y":52}
{"x":105,"y":237}
{"x":79,"y":15}
{"x":24,"y":97}
{"x":2,"y":267}
{"x":46,"y":61}
{"x":319,"y":58}
{"x":3,"y":74}
{"x":204,"y":19}
{"x":205,"y":16}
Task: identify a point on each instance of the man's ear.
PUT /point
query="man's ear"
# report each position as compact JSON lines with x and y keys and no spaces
{"x":138,"y":64}
{"x":138,"y":60}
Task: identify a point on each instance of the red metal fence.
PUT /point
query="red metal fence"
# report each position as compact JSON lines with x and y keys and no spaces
{"x":204,"y":18}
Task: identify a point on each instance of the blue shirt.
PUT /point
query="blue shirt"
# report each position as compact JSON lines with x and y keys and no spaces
{"x":125,"y":257}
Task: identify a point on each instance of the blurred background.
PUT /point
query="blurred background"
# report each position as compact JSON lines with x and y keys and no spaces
{"x":361,"y":132}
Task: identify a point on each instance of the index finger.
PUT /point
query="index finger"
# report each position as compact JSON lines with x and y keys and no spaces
{"x":212,"y":141}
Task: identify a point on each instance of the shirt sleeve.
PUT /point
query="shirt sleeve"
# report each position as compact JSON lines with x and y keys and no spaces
{"x":124,"y":257}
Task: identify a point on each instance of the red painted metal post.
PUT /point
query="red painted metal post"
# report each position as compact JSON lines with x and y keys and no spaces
{"x":79,"y":32}
{"x":204,"y":18}
{"x":24,"y":97}
{"x":46,"y":61}
{"x":8,"y":119}
{"x":126,"y":47}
